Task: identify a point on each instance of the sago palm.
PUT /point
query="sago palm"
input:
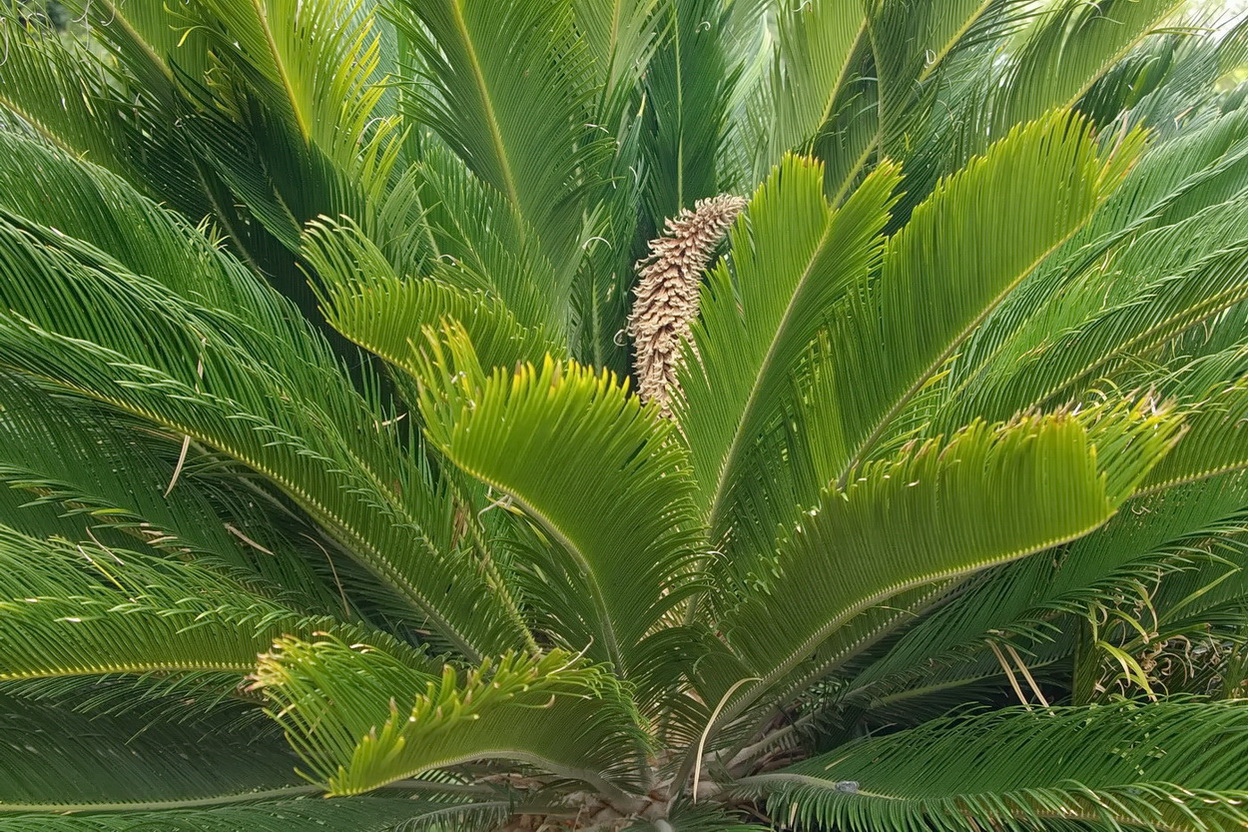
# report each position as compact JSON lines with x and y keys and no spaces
{"x":319,"y":335}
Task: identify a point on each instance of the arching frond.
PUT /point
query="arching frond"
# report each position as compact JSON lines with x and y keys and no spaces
{"x":59,"y":91}
{"x":1214,"y":443}
{"x":86,"y":324}
{"x":385,"y":313}
{"x":70,"y":457}
{"x":984,"y":229}
{"x":362,"y":719}
{"x":1112,"y":765}
{"x":315,"y":63}
{"x":1096,"y":341}
{"x":596,"y":471}
{"x":482,"y":241}
{"x":374,"y":814}
{"x":1017,"y":601}
{"x":516,"y":116}
{"x":1148,"y":227}
{"x":620,"y":37}
{"x":812,"y":64}
{"x":688,"y":91}
{"x":74,"y":609}
{"x":941,"y":510}
{"x":59,"y":761}
{"x":1055,"y":60}
{"x":793,"y":258}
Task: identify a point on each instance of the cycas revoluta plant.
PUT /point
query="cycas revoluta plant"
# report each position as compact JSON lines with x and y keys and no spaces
{"x":327,"y":476}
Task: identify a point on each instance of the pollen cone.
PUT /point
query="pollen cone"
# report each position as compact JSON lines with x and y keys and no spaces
{"x":667,"y":293}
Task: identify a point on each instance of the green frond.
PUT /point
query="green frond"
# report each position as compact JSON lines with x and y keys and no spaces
{"x":1018,"y":602}
{"x":60,"y":92}
{"x":599,"y":475}
{"x":602,"y":296}
{"x":1111,"y":765}
{"x":516,"y":116}
{"x":207,"y":700}
{"x":1145,"y":299}
{"x":620,"y":37}
{"x":1135,"y":244}
{"x":688,"y":90}
{"x":70,"y":457}
{"x":811,"y":65}
{"x":145,"y":37}
{"x":913,"y":46}
{"x":78,"y":471}
{"x":57,"y":761}
{"x":278,"y":405}
{"x":480,"y":241}
{"x":1214,"y":442}
{"x":84,"y":609}
{"x":88,"y":203}
{"x":697,"y":818}
{"x":113,"y":109}
{"x":384,"y":312}
{"x":362,"y":719}
{"x":374,"y":814}
{"x":983,"y":231}
{"x":793,"y":258}
{"x":1053,"y":62}
{"x":941,"y":510}
{"x":316,"y":63}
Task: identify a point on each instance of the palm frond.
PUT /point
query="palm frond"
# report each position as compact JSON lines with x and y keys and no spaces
{"x":620,"y":37}
{"x":691,"y":818}
{"x":1146,"y":300}
{"x":362,"y":719}
{"x":811,"y":65}
{"x":384,"y":312}
{"x":1214,"y":443}
{"x":1173,"y":183}
{"x":792,"y":259}
{"x":596,"y":471}
{"x":373,"y":814}
{"x":516,"y":116}
{"x":986,"y":227}
{"x":89,"y":326}
{"x":74,"y":609}
{"x":1017,"y":602}
{"x":317,"y":63}
{"x":73,"y":458}
{"x":1113,"y":765}
{"x":929,"y":511}
{"x":59,"y":93}
{"x":88,"y":203}
{"x":1056,"y":60}
{"x":688,"y":90}
{"x":59,"y":761}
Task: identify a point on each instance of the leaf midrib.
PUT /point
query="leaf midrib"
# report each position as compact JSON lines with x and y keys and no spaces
{"x":732,"y":458}
{"x":926,"y":374}
{"x":824,"y":785}
{"x":1171,"y":327}
{"x":301,"y":119}
{"x":160,"y":805}
{"x":820,"y":635}
{"x":583,"y":563}
{"x":487,"y":102}
{"x":844,"y":73}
